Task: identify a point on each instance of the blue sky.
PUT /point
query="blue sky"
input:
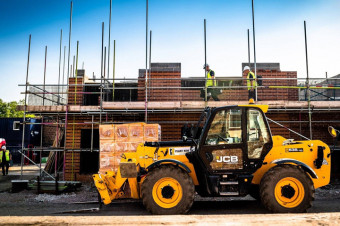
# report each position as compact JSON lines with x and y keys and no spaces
{"x":177,"y":27}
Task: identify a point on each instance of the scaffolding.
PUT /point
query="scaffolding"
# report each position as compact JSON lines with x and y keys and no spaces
{"x":63,"y":113}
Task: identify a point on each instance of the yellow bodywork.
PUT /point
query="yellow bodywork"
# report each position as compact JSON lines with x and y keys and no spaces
{"x":264,"y":108}
{"x":308,"y":156}
{"x":112,"y":185}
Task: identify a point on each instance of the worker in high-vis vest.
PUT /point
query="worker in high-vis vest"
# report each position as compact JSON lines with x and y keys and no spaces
{"x":5,"y":158}
{"x":211,"y":82}
{"x":251,"y":83}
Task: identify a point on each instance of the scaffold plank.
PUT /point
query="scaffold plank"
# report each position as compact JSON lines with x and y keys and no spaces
{"x":170,"y":105}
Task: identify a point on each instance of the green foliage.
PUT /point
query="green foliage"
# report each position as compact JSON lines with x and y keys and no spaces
{"x":9,"y":110}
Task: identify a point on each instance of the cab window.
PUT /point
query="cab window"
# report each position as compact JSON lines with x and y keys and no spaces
{"x":257,"y":133}
{"x":225,"y":128}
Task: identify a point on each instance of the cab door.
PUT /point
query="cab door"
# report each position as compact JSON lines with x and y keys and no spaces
{"x":234,"y":140}
{"x":222,"y":144}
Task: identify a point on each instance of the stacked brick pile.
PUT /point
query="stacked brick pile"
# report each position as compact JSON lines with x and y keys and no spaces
{"x":118,"y":139}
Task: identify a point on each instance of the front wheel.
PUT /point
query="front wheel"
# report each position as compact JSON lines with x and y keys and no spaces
{"x":286,"y":189}
{"x":168,"y":190}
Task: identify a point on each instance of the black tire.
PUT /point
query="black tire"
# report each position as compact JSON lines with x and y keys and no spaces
{"x":295,"y":177}
{"x":254,"y":192}
{"x":163,"y":172}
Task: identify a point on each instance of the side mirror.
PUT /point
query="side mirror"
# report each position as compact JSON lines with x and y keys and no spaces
{"x":184,"y":138}
{"x":333,"y":132}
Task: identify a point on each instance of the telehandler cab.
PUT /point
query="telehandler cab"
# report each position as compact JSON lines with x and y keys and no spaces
{"x":234,"y":154}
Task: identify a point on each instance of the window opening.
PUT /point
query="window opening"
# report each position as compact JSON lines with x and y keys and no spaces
{"x":257,"y":133}
{"x":225,"y":128}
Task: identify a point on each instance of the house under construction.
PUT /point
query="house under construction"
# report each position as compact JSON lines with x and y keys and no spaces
{"x":70,"y":114}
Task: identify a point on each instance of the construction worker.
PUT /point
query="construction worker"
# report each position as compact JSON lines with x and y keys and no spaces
{"x":5,"y":158}
{"x":210,"y":83}
{"x":251,"y":83}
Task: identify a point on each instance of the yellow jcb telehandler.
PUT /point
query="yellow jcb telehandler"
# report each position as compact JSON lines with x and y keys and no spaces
{"x":234,"y":154}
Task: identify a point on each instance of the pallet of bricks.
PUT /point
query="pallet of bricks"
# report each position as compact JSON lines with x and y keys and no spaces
{"x":116,"y":139}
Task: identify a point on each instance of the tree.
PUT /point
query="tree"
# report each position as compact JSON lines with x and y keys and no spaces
{"x":9,"y":110}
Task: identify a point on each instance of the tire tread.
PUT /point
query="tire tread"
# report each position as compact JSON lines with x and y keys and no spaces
{"x":187,"y":184}
{"x":266,"y":186}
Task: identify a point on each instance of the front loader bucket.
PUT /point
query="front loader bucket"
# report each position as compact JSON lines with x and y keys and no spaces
{"x":102,"y":188}
{"x":109,"y":185}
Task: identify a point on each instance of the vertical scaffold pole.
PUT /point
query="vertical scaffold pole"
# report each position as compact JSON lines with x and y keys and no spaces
{"x":307,"y":83}
{"x":104,"y":76}
{"x":76,"y":71}
{"x":101,"y":76}
{"x":63,"y":89}
{"x":255,"y":70}
{"x":248,"y":48}
{"x":69,"y":44}
{"x":25,"y":107}
{"x":105,"y":65}
{"x":150,"y":56}
{"x":114,"y":70}
{"x":74,"y":66}
{"x":61,"y":39}
{"x":109,"y":47}
{"x":146,"y":61}
{"x":44,"y":88}
{"x":205,"y":63}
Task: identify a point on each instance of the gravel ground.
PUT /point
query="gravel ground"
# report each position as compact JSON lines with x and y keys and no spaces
{"x":46,"y":209}
{"x":89,"y":193}
{"x":328,"y":192}
{"x":29,"y":203}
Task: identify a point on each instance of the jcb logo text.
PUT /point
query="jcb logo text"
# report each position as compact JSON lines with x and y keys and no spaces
{"x":227,"y":159}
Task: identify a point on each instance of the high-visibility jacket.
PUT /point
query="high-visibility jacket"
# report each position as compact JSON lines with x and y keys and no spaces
{"x":6,"y":154}
{"x":249,"y":80}
{"x":210,"y":80}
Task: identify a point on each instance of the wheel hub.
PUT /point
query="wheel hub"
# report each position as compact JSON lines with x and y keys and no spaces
{"x":287,"y":191}
{"x":168,"y":192}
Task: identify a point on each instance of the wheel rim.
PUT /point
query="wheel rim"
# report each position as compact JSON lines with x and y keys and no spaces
{"x":167,"y":192}
{"x":289,"y":192}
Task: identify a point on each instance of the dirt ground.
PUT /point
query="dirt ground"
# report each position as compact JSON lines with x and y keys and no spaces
{"x":30,"y":208}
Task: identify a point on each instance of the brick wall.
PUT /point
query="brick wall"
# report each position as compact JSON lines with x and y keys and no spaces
{"x":75,"y":97}
{"x":49,"y":134}
{"x":276,"y":78}
{"x":271,"y":78}
{"x":166,"y":76}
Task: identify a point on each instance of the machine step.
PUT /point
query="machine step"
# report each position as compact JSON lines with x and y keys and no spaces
{"x":229,"y":193}
{"x":228,"y":182}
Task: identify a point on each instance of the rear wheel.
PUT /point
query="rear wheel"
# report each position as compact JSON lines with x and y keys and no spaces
{"x":168,"y":190}
{"x":286,"y":189}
